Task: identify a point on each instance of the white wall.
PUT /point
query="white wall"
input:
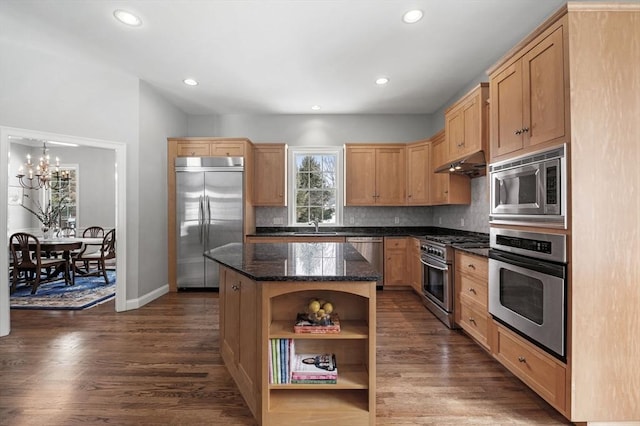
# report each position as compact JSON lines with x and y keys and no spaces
{"x":314,"y":129}
{"x":158,"y":120}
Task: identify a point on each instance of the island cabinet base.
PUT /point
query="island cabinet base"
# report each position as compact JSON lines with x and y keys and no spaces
{"x":252,"y":313}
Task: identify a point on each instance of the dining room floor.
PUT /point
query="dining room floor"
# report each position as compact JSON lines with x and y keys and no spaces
{"x":161,"y":364}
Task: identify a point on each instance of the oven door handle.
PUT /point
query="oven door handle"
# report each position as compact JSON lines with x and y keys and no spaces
{"x":439,"y":268}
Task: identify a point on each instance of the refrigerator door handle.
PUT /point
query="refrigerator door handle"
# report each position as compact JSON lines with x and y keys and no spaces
{"x":200,"y":219}
{"x":208,"y":224}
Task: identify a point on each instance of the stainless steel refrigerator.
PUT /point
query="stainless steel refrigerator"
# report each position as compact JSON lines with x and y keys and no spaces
{"x":209,"y":214}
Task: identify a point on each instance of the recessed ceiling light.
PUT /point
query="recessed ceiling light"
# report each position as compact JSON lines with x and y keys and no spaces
{"x":381,"y":81}
{"x":412,"y":16}
{"x":316,"y":107}
{"x":190,"y":82}
{"x":127,"y":18}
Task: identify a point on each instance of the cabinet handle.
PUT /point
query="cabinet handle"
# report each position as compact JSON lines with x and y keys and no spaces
{"x":472,"y":290}
{"x":235,"y":287}
{"x":522,"y":359}
{"x":472,"y":320}
{"x":193,"y":153}
{"x":525,"y":130}
{"x":472,"y":266}
{"x":518,"y":132}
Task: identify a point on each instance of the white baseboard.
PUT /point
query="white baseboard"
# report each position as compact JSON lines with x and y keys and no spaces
{"x":153,"y":295}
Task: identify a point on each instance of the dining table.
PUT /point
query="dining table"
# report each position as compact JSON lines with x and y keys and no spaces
{"x":64,"y":245}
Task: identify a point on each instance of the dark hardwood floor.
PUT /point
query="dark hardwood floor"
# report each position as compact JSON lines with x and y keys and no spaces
{"x":161,"y":365}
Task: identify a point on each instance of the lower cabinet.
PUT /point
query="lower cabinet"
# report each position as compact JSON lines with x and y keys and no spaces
{"x":542,"y":372}
{"x":395,"y":262}
{"x":238,"y":332}
{"x":471,"y":310}
{"x":415,"y":266}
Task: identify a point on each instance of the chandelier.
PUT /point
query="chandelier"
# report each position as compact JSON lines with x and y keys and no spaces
{"x":43,"y":174}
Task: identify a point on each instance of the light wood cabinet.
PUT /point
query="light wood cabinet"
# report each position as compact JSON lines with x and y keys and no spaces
{"x":269,"y":186}
{"x":541,"y":371}
{"x":471,"y":310}
{"x":418,"y":173}
{"x":395,"y":262}
{"x":415,"y":266}
{"x":238,"y":332}
{"x":446,"y":188}
{"x":204,"y":147}
{"x":352,"y":400}
{"x":529,"y":94}
{"x":375,"y":175}
{"x":467,"y":125}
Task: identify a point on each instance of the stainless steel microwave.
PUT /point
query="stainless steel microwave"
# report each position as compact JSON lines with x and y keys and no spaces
{"x":530,"y":190}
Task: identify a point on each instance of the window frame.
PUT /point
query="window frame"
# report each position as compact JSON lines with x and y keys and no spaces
{"x":48,"y":194}
{"x":292,"y":179}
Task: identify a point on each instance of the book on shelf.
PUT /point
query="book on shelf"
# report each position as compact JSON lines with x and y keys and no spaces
{"x":314,"y":381}
{"x":310,"y":366}
{"x":304,"y":324}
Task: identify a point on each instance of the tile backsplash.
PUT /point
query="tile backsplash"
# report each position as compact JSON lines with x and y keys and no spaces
{"x":473,"y":217}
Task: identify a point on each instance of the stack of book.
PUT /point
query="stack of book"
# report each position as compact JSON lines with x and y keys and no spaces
{"x":285,"y":366}
{"x":314,"y":369}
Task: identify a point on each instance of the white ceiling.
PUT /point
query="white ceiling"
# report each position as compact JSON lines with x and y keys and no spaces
{"x":283,"y":56}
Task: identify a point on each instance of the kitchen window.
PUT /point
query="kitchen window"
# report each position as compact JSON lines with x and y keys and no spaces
{"x":315,"y":186}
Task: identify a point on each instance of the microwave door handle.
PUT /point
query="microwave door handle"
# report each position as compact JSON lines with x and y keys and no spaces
{"x":439,"y":268}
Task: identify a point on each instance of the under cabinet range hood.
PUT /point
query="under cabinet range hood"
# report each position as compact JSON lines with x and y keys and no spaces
{"x":473,"y":165}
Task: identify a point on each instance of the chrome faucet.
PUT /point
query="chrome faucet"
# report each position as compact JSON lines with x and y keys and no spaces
{"x":315,"y":223}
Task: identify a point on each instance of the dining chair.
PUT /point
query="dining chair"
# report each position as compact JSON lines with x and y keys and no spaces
{"x":93,"y":232}
{"x":29,"y":266}
{"x":94,"y":262}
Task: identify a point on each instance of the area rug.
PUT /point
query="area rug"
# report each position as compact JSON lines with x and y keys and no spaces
{"x":87,"y":292}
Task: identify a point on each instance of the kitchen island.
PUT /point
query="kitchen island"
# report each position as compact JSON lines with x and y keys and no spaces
{"x":262,"y":288}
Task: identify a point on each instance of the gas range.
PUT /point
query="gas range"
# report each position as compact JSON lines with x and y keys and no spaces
{"x":440,"y":246}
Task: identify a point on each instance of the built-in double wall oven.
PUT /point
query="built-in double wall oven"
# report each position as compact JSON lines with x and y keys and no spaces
{"x":528,"y":286}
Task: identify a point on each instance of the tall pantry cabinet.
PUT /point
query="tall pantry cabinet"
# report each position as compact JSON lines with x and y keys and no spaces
{"x":578,"y":83}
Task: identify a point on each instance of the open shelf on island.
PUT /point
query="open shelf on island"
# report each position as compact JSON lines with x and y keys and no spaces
{"x":348,"y":330}
{"x":350,"y":376}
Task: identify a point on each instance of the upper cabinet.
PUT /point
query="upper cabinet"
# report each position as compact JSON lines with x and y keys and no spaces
{"x":375,"y":175}
{"x":269,"y":183}
{"x":418,"y":173}
{"x":529,"y":96}
{"x":446,"y":188}
{"x":209,"y":147}
{"x":467,"y":125}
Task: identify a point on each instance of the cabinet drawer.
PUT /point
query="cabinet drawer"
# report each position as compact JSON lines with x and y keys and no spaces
{"x":234,"y":149}
{"x":193,"y":149}
{"x":474,"y":265}
{"x":475,"y":321}
{"x":390,"y":242}
{"x":473,"y":289}
{"x":542,"y":372}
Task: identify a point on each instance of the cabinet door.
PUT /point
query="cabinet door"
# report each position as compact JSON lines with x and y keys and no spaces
{"x":418,"y":174}
{"x":248,"y":340}
{"x":360,"y":176}
{"x":506,"y":110}
{"x":269,"y":175}
{"x":544,"y":95}
{"x":395,"y":261}
{"x":231,"y":314}
{"x":390,"y":176}
{"x":473,"y":126}
{"x":194,"y":149}
{"x":439,"y":181}
{"x":415,"y":267}
{"x":455,"y":134}
{"x":227,"y":149}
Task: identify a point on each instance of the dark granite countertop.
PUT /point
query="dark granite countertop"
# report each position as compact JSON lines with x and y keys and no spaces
{"x":295,"y":261}
{"x":479,"y":251}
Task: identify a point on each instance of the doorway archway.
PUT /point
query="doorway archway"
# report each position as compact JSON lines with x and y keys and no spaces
{"x":120,"y":220}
